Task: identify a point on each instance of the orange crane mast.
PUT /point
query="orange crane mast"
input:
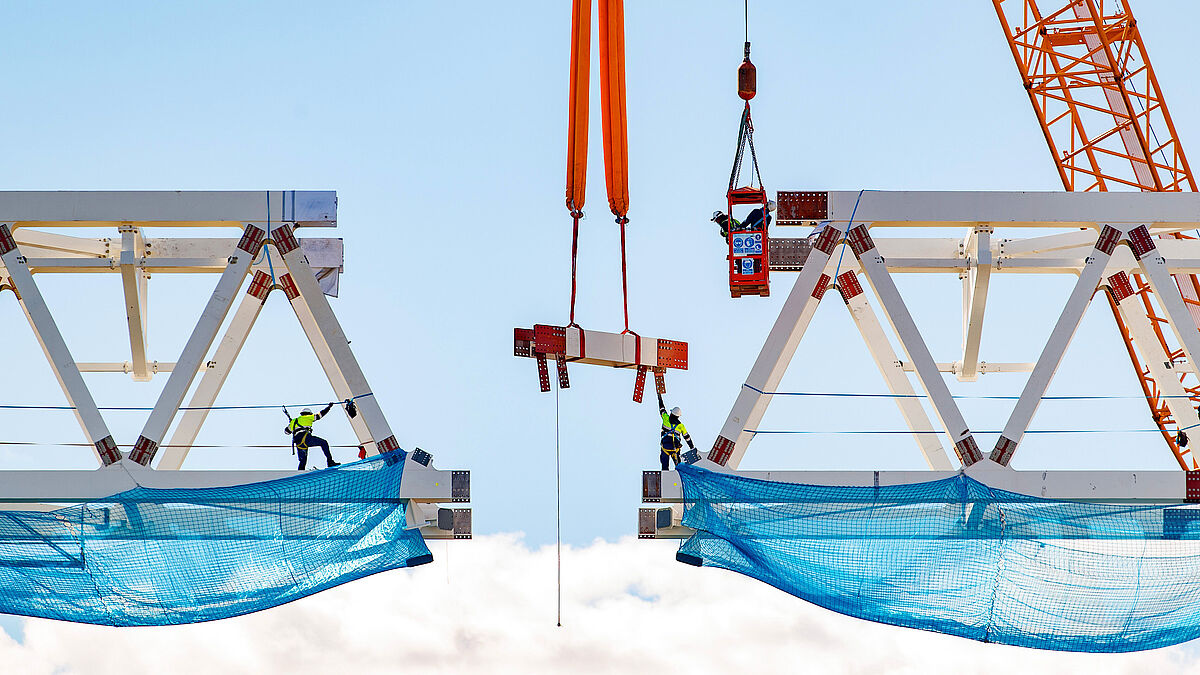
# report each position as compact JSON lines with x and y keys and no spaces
{"x":1098,"y":101}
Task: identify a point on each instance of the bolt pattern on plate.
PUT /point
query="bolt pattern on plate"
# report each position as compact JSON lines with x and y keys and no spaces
{"x":1120,"y":285}
{"x":788,"y":254}
{"x":289,"y":287}
{"x":672,"y":354}
{"x":647,"y":523}
{"x":639,"y":384}
{"x":968,"y":451}
{"x":721,"y":451}
{"x":827,"y":240}
{"x":424,"y":458}
{"x":1005,"y":447}
{"x":651,"y":486}
{"x":560,"y":362}
{"x":792,"y":205}
{"x":1140,"y":241}
{"x":860,"y":240}
{"x":543,"y":372}
{"x":462,"y":523}
{"x":284,"y":238}
{"x":660,"y":381}
{"x":252,"y":239}
{"x":143,"y":451}
{"x":107,"y":448}
{"x":1192,"y":486}
{"x":821,"y":287}
{"x":522,"y":342}
{"x":460,"y":486}
{"x":549,"y":339}
{"x":7,"y":242}
{"x":1109,"y":237}
{"x":260,"y":285}
{"x":848,"y":285}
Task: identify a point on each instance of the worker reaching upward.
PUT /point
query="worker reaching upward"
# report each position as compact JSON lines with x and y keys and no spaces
{"x":672,"y":429}
{"x":302,"y":437}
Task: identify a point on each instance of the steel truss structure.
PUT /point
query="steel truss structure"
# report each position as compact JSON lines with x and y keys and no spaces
{"x":32,"y":243}
{"x":1099,"y":239}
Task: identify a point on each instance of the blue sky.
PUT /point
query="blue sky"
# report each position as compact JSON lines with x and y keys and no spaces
{"x":442,"y":128}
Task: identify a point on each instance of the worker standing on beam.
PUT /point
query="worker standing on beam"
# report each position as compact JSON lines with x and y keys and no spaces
{"x":302,"y":437}
{"x":672,"y":429}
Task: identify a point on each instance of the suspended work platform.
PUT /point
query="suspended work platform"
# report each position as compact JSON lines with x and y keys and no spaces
{"x":138,"y":542}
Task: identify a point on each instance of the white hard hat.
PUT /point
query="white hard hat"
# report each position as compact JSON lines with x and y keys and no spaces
{"x":770,"y":204}
{"x":306,"y":411}
{"x":717,"y":214}
{"x":676,"y":411}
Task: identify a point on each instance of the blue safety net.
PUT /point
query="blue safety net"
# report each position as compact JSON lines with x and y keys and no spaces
{"x":152,"y":557}
{"x":957,"y":557}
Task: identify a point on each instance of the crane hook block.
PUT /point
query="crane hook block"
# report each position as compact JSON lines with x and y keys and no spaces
{"x":747,"y":77}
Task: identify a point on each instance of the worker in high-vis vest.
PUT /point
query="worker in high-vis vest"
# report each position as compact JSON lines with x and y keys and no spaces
{"x":302,"y":436}
{"x":669,"y":440}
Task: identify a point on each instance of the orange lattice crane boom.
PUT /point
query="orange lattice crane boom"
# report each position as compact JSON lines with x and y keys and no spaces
{"x":1095,"y":94}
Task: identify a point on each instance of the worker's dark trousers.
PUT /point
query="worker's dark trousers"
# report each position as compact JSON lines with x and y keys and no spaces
{"x":302,"y":446}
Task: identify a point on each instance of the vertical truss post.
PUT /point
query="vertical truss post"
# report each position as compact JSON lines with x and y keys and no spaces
{"x":214,"y":378}
{"x":48,"y":336}
{"x":324,"y":356}
{"x":777,"y":352}
{"x":905,"y":328}
{"x":133,"y":284}
{"x":893,"y":374}
{"x":194,"y":351}
{"x":333,"y":337}
{"x":975,"y":290}
{"x":1056,"y":346}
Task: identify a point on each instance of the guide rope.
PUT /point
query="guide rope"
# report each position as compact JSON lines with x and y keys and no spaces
{"x":558,"y":502}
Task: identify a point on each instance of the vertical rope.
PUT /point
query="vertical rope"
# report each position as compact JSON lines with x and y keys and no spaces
{"x":558,"y":502}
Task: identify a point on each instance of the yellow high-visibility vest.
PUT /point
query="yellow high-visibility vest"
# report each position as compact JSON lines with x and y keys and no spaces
{"x":302,"y":422}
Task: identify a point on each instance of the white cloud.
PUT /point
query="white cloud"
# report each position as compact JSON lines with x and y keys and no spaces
{"x":489,"y":606}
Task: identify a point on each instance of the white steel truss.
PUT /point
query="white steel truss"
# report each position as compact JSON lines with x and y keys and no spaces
{"x":1101,"y":239}
{"x":30,"y":244}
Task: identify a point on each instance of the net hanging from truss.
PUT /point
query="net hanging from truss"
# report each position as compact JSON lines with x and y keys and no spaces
{"x":957,"y":557}
{"x":170,"y":556}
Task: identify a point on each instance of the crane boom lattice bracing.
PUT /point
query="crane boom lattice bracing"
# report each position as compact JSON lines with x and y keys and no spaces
{"x":1095,"y":94}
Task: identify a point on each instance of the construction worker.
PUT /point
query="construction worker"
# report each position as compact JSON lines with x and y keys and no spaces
{"x":302,"y":437}
{"x":758,"y":219}
{"x":754,"y":220}
{"x":672,"y":429}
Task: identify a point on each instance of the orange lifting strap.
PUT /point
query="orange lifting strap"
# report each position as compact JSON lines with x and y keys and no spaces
{"x":571,"y":343}
{"x":577,"y":125}
{"x":612,"y":100}
{"x":577,"y":129}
